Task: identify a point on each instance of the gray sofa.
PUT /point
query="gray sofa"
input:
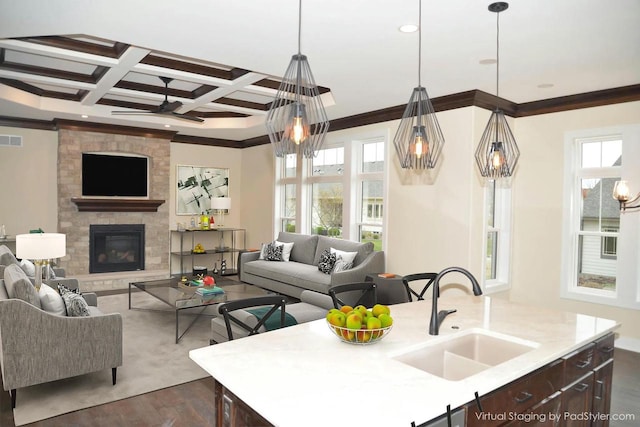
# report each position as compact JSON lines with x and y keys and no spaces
{"x":301,"y":271}
{"x":38,"y":346}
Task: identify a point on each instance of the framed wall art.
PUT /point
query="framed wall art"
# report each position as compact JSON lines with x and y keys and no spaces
{"x":195,"y":187}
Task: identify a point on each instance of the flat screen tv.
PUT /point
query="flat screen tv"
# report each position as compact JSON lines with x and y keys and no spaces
{"x":114,"y":175}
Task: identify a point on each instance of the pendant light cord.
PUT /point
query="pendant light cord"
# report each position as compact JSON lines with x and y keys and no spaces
{"x":498,"y":54}
{"x":419,"y":41}
{"x":299,"y":23}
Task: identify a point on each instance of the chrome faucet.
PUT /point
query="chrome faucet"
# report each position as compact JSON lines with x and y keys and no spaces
{"x":438,"y":317}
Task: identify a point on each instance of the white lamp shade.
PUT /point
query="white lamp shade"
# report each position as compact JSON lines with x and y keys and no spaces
{"x":41,"y":245}
{"x":220,"y":203}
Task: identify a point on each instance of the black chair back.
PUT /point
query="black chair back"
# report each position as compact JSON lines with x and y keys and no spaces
{"x":353,"y":294}
{"x":275,"y":301}
{"x":430,"y":277}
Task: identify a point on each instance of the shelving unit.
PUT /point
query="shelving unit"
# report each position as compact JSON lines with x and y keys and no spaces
{"x":220,"y":243}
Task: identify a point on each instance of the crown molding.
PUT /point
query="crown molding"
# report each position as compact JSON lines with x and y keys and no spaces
{"x":475,"y":98}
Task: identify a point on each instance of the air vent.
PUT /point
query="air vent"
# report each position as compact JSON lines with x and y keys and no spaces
{"x":10,"y":141}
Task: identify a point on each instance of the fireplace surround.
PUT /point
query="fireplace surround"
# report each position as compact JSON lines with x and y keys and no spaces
{"x":116,"y":247}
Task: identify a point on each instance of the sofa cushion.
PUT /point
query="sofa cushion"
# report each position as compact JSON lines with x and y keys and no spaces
{"x":51,"y":301}
{"x":304,"y":246}
{"x":344,"y":260}
{"x":19,"y":286}
{"x":363,"y":249}
{"x":273,"y":252}
{"x":327,"y":261}
{"x":6,"y":256}
{"x":28,"y":267}
{"x":286,"y":250}
{"x":297,"y":274}
{"x":75,"y":305}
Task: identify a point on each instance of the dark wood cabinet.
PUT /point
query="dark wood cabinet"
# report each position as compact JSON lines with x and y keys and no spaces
{"x":576,"y":402}
{"x":603,"y":376}
{"x":570,"y":391}
{"x":231,"y":411}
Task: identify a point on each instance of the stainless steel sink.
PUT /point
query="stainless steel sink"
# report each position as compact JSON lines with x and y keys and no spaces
{"x":465,"y":354}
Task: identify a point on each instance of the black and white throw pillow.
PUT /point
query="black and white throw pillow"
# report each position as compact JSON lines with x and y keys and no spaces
{"x":74,"y":303}
{"x":327,"y":261}
{"x":273,"y":252}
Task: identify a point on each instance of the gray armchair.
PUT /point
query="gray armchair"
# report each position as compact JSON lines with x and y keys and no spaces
{"x":37,"y":346}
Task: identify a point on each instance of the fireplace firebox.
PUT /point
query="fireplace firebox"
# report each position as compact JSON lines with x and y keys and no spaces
{"x":116,"y":247}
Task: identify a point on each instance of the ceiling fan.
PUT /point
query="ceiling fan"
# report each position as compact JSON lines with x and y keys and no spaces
{"x":166,"y":108}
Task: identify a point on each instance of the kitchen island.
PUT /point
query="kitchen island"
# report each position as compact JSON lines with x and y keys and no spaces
{"x":304,"y":375}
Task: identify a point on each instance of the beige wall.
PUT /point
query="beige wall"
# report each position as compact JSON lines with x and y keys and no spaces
{"x":538,"y":203}
{"x":429,"y":227}
{"x":28,"y":176}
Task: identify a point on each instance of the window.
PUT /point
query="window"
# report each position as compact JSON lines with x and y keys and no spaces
{"x":497,"y":237}
{"x":600,"y":246}
{"x":338,"y":193}
{"x":370,"y":184}
{"x":599,"y":215}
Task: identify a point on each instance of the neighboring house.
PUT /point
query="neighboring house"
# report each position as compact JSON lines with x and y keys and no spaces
{"x":600,"y":213}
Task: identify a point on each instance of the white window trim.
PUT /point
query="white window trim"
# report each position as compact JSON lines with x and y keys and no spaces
{"x":501,"y":223}
{"x":627,"y":293}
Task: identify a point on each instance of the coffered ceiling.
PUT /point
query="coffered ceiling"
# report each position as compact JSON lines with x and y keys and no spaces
{"x":81,"y":61}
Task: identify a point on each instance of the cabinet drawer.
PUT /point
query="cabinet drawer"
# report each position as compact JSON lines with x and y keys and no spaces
{"x":604,"y":349}
{"x":579,"y":363}
{"x":517,"y":396}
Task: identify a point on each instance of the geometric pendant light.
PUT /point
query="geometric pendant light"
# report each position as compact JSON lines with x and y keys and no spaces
{"x":296,"y":121}
{"x":497,"y":153}
{"x":418,"y":140}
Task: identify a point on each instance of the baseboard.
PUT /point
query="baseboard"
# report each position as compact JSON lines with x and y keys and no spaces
{"x":631,"y":344}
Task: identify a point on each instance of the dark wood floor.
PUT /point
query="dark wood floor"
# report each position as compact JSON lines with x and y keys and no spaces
{"x":191,"y":404}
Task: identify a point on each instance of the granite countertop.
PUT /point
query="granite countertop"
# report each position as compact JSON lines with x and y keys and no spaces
{"x":305,"y":374}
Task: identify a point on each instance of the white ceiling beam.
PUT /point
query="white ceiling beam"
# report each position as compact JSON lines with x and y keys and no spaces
{"x":238,"y":84}
{"x":37,"y":79}
{"x":56,"y":52}
{"x":129,"y":59}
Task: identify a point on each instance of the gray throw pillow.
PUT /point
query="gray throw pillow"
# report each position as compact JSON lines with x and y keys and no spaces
{"x":19,"y":286}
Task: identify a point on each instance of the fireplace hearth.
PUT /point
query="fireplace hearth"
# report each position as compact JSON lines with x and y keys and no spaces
{"x":116,"y":247}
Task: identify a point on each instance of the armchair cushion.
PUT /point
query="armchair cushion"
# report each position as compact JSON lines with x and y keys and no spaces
{"x":74,"y":303}
{"x":19,"y":286}
{"x":51,"y":301}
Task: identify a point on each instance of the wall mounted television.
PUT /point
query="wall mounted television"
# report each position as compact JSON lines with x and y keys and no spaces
{"x":114,"y":175}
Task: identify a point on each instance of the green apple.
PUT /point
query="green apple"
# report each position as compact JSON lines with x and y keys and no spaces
{"x":338,"y":319}
{"x":379,"y":309}
{"x":385,"y":320}
{"x":354,"y":321}
{"x":361,"y":308}
{"x":330,"y":312}
{"x":374,"y":323}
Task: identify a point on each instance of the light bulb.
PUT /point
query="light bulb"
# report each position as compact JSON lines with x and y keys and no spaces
{"x":621,"y":191}
{"x":496,"y":155}
{"x":297,"y":129}
{"x":419,"y":145}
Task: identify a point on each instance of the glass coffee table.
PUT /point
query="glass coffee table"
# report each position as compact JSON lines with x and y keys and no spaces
{"x":178,"y":298}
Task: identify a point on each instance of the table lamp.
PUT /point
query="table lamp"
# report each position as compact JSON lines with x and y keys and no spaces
{"x":40,"y":248}
{"x":220,"y":204}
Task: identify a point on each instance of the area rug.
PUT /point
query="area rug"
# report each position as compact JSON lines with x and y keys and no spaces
{"x":151,"y":361}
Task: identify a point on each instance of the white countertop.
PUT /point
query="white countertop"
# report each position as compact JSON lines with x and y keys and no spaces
{"x":304,"y":375}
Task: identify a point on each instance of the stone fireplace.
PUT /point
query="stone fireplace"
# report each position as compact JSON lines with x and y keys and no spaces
{"x":76,"y":223}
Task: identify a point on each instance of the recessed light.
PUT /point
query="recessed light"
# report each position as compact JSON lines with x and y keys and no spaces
{"x":545,"y":85}
{"x":167,"y":126}
{"x":408,"y":28}
{"x":487,"y":61}
{"x":84,"y":116}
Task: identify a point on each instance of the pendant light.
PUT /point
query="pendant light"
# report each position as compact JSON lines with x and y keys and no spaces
{"x":296,"y":121}
{"x":419,"y":140}
{"x":497,"y":154}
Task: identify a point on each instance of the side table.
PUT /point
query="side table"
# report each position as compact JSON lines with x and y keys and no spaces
{"x":390,"y":289}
